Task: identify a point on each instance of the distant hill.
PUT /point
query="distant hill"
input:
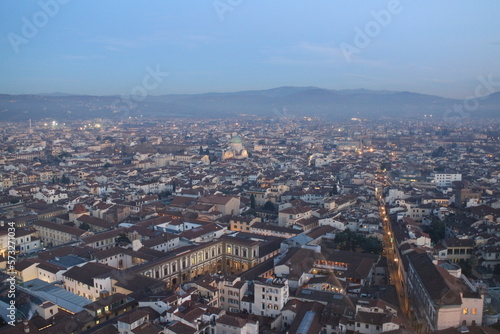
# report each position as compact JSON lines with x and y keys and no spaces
{"x":297,"y":101}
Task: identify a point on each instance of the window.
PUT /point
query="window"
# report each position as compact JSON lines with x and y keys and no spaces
{"x":358,"y":324}
{"x":465,"y":311}
{"x":474,"y":311}
{"x":367,"y":326}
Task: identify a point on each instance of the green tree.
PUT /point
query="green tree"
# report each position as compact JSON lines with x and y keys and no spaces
{"x":439,"y":152}
{"x":123,"y":237}
{"x":334,"y":190}
{"x":252,"y":201}
{"x":437,"y":230}
{"x":269,"y":206}
{"x":385,"y":166}
{"x":352,"y":241}
{"x":164,"y":194}
{"x":65,"y":179}
{"x":372,"y":245}
{"x":85,"y":226}
{"x":347,"y":240}
{"x":496,"y":271}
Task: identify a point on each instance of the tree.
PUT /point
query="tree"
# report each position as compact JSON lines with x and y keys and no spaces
{"x":385,"y":166}
{"x":269,"y":206}
{"x":201,"y":150}
{"x":164,"y":194}
{"x":372,"y":245}
{"x":439,"y":152}
{"x":65,"y":179}
{"x":352,"y":241}
{"x":347,"y":240}
{"x":252,"y":201}
{"x":123,"y":238}
{"x":334,"y":190}
{"x":496,"y":271}
{"x":85,"y":226}
{"x":437,"y":230}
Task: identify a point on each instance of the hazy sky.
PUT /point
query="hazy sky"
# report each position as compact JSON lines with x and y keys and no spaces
{"x":110,"y":47}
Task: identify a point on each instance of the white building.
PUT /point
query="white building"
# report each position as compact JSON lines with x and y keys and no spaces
{"x":445,"y":179}
{"x":270,"y":296}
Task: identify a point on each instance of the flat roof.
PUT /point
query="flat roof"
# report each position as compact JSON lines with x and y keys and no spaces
{"x":55,"y":294}
{"x":68,"y":261}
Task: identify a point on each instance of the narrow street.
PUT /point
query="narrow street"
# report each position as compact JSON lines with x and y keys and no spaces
{"x":392,"y":259}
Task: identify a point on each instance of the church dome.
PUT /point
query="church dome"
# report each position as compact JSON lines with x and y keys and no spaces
{"x":236,"y":140}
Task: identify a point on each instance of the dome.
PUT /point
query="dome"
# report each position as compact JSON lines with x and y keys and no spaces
{"x":236,"y":140}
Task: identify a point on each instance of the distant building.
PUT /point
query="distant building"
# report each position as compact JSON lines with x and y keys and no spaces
{"x":445,"y":179}
{"x":236,"y":150}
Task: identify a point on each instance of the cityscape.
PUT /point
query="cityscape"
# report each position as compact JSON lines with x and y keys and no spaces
{"x":254,"y":225}
{"x":250,"y":167}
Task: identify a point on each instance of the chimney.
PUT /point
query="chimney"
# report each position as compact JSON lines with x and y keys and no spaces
{"x":26,"y":326}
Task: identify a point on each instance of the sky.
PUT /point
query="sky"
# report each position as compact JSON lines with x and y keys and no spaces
{"x":169,"y":47}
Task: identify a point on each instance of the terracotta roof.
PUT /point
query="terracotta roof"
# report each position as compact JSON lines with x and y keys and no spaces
{"x":59,"y":227}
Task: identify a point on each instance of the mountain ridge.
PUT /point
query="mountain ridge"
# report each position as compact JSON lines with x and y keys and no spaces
{"x":299,"y":101}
